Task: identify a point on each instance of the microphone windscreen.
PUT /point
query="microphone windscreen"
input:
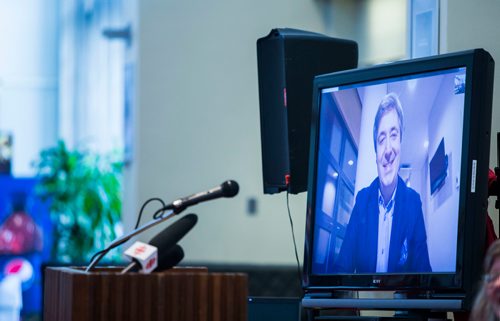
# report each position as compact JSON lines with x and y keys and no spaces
{"x":230,"y":188}
{"x":169,"y":258}
{"x":171,"y":235}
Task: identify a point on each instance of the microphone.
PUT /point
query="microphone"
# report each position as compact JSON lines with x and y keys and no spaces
{"x":227,"y":189}
{"x":166,"y":260}
{"x":119,"y":241}
{"x":144,"y":255}
{"x":170,"y":258}
{"x":166,"y":241}
{"x":174,"y":233}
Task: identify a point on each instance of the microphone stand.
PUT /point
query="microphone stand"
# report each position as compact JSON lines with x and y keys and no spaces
{"x":226,"y":189}
{"x":117,"y":242}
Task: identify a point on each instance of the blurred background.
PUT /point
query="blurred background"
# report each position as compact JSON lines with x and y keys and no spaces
{"x":106,"y":103}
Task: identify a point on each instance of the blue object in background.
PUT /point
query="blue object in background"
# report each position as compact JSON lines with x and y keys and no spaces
{"x":27,"y":261}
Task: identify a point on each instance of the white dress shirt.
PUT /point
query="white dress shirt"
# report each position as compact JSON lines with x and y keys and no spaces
{"x":384,"y":231}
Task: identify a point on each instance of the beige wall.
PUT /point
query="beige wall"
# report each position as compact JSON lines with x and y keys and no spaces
{"x":197,"y":113}
{"x":469,"y":25}
{"x":385,"y":30}
{"x":198,"y":121}
{"x":379,"y":27}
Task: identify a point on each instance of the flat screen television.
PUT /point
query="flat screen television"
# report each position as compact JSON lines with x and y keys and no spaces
{"x":438,"y":167}
{"x":374,"y":221}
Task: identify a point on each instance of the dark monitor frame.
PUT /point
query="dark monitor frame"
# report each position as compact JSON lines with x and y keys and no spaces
{"x":472,"y":206}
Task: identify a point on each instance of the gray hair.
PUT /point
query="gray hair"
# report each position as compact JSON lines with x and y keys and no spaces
{"x":388,"y":103}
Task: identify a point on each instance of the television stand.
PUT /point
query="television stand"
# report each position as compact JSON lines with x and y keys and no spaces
{"x":383,"y":304}
{"x":394,"y":318}
{"x":397,"y":306}
{"x":316,"y":315}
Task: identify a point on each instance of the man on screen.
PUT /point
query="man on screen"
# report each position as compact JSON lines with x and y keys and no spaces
{"x":386,"y":231}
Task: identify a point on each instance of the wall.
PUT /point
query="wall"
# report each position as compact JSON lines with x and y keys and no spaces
{"x":197,"y":114}
{"x":442,"y":218}
{"x":379,"y":27}
{"x":384,"y":26}
{"x":198,"y":122}
{"x":467,"y":25}
{"x":370,"y":100}
{"x":28,"y":78}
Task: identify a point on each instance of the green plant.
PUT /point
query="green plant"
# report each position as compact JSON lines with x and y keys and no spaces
{"x":84,"y":193}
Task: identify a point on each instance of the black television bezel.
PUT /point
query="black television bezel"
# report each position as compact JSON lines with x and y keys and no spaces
{"x":472,"y":207}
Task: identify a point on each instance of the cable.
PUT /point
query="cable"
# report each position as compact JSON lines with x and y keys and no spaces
{"x":156,"y":214}
{"x":294,"y":242}
{"x":144,"y":206}
{"x":159,"y":212}
{"x":96,"y":254}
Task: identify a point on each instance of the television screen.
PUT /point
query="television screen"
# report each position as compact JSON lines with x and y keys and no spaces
{"x":438,"y":166}
{"x":389,"y":208}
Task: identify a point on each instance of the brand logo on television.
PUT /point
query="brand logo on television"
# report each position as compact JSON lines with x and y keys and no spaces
{"x":376,"y":281}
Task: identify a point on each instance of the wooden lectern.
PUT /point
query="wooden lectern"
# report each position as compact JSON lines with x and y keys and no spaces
{"x":179,"y":294}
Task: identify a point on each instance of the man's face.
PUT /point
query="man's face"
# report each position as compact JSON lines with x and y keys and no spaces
{"x":388,"y":148}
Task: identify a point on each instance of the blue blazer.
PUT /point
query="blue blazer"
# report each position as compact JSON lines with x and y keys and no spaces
{"x":408,"y":246}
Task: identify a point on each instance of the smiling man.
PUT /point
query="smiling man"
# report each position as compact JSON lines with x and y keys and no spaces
{"x":386,"y":231}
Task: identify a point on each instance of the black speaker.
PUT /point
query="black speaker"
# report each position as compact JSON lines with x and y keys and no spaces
{"x":288,"y":60}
